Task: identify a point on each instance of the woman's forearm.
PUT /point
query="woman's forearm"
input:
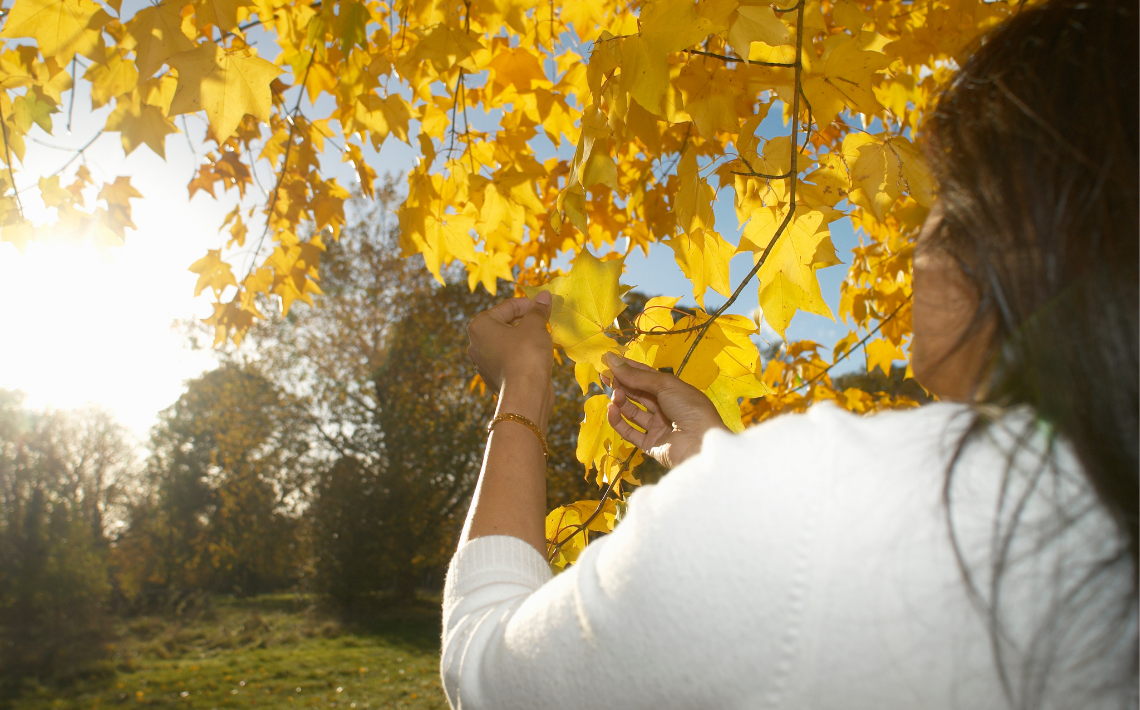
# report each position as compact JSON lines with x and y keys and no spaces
{"x":510,"y":497}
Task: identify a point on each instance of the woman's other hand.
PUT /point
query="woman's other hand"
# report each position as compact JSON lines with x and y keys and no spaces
{"x":676,"y":414}
{"x":513,"y":353}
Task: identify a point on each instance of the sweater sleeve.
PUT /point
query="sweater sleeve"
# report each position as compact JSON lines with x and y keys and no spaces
{"x":630,"y":623}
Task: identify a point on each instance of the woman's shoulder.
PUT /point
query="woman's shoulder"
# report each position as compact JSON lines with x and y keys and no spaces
{"x":826,"y":437}
{"x":932,"y":423}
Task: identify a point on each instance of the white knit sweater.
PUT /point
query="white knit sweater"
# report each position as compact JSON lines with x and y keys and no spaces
{"x":806,"y":563}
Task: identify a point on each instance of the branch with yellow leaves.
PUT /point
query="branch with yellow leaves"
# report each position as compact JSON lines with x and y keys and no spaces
{"x":292,"y":118}
{"x":703,"y":328}
{"x":794,"y":171}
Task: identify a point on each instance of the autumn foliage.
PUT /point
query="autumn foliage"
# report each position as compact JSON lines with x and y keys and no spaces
{"x":542,"y":128}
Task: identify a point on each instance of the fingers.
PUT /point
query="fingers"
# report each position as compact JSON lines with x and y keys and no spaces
{"x":623,"y":428}
{"x":629,"y":409}
{"x":635,"y":376}
{"x":510,"y":310}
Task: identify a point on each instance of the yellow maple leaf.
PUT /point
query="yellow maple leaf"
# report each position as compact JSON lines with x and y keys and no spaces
{"x":518,"y":67}
{"x":710,"y":99}
{"x":787,"y":279}
{"x":114,"y":76}
{"x":18,"y":232}
{"x":585,"y":375}
{"x":213,"y":273}
{"x":117,"y":217}
{"x":227,"y":84}
{"x":919,"y":183}
{"x":881,"y":353}
{"x":673,"y":25}
{"x":61,"y":28}
{"x":595,"y":432}
{"x":222,"y":14}
{"x":29,"y":109}
{"x":726,"y":392}
{"x":846,"y":79}
{"x":445,"y":47}
{"x":376,"y":117}
{"x":723,"y":364}
{"x":448,"y":236}
{"x":119,"y":193}
{"x":693,"y":202}
{"x":488,"y":269}
{"x":644,"y":74}
{"x":756,"y":23}
{"x":562,"y":524}
{"x":53,"y":194}
{"x":657,"y":314}
{"x":779,"y":301}
{"x":155,"y":33}
{"x":140,"y":123}
{"x":764,"y":222}
{"x":703,"y":256}
{"x":584,"y":304}
{"x":666,"y":26}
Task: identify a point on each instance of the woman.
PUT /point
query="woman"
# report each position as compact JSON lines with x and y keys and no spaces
{"x":980,"y":552}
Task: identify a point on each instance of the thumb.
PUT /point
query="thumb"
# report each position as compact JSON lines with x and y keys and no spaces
{"x":542,"y":305}
{"x":636,"y":376}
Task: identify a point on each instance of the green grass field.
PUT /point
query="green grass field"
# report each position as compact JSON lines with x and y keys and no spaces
{"x":267,"y":652}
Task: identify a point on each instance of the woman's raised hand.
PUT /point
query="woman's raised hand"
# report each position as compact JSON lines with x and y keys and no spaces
{"x":513,"y":353}
{"x":676,"y":414}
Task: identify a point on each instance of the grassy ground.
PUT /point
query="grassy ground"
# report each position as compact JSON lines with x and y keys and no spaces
{"x":268,"y":652}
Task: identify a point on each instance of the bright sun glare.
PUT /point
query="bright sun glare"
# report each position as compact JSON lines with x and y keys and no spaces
{"x":85,"y":325}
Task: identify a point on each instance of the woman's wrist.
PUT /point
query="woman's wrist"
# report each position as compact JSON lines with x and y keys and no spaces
{"x":529,"y":396}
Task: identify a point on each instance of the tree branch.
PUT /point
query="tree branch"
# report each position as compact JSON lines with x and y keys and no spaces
{"x":703,"y":328}
{"x":726,"y":58}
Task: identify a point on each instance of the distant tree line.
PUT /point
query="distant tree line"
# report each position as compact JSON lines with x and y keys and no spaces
{"x":334,"y":453}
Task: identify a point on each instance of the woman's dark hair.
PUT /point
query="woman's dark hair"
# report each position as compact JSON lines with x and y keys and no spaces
{"x":1034,"y":148}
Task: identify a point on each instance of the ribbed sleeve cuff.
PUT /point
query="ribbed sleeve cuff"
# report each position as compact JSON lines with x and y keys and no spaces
{"x":496,"y":559}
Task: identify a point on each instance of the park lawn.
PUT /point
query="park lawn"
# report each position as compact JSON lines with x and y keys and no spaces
{"x":263,"y":653}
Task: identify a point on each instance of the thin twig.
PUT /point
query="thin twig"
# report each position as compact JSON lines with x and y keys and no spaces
{"x":71,"y":100}
{"x":193,"y":151}
{"x":854,"y":347}
{"x":284,"y":168}
{"x":65,"y":166}
{"x":455,"y":111}
{"x":752,"y":171}
{"x":601,"y":504}
{"x":726,"y":58}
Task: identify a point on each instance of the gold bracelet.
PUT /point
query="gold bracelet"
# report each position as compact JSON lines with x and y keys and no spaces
{"x":508,"y":417}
